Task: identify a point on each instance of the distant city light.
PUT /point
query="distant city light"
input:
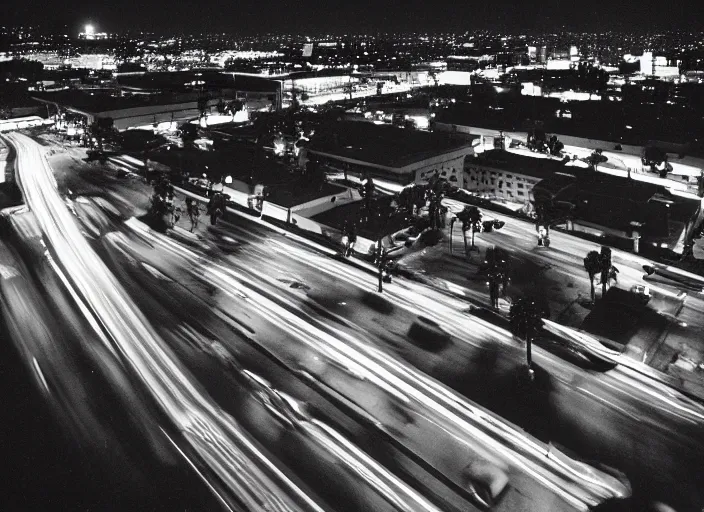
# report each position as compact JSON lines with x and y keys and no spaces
{"x":90,"y":30}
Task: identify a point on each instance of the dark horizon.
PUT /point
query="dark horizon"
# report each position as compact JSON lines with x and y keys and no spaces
{"x":250,"y":17}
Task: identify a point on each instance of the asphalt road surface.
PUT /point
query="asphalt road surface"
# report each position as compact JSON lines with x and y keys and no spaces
{"x":242,"y":296}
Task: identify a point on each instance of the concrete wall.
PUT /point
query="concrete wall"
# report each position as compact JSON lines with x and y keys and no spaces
{"x":323,"y":204}
{"x":239,"y":192}
{"x":275,"y":211}
{"x":307,"y":224}
{"x":123,"y":123}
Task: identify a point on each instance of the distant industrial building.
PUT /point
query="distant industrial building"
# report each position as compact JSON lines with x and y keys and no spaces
{"x":54,"y":60}
{"x":657,"y":66}
{"x":394,"y":155}
{"x":328,"y":84}
{"x":165,"y":98}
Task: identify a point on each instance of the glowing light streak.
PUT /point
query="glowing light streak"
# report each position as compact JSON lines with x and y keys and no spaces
{"x":260,"y":485}
{"x":379,"y":369}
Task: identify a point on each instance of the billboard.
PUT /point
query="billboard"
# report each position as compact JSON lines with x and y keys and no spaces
{"x":308,"y":50}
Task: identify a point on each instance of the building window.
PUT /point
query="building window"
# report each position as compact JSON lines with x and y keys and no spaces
{"x":519,"y":185}
{"x":520,"y":193}
{"x":501,"y":183}
{"x":508,"y":176}
{"x":509,"y":184}
{"x":493,"y":181}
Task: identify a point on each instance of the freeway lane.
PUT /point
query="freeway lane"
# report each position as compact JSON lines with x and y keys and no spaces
{"x":157,"y":367}
{"x":213,"y":435}
{"x":602,"y":436}
{"x":616,"y":417}
{"x":85,"y":437}
{"x":369,"y":378}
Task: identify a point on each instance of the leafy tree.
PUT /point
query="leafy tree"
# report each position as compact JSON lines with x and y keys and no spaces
{"x":595,"y":159}
{"x":526,"y":316}
{"x":189,"y":133}
{"x":233,"y":107}
{"x":592,"y":264}
{"x":555,"y":146}
{"x":605,"y":267}
{"x":653,"y":157}
{"x":203,"y":106}
{"x":471,"y":218}
{"x":434,"y":192}
{"x":368,"y":191}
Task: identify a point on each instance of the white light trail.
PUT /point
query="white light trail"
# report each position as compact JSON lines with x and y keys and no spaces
{"x":230,"y":454}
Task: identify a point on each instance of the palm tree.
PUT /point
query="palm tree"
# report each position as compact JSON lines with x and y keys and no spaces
{"x":605,"y":267}
{"x":592,"y":264}
{"x":526,"y":322}
{"x":471,"y":218}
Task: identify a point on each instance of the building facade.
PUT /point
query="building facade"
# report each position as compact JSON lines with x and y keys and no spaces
{"x":508,"y":176}
{"x":447,"y":165}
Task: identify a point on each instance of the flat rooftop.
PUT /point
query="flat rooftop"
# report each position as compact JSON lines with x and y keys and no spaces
{"x":541,"y":168}
{"x":602,"y":121}
{"x":239,"y":160}
{"x":181,"y":81}
{"x":383,"y":145}
{"x":96,"y":103}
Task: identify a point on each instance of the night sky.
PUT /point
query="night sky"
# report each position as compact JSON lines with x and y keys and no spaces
{"x":337,"y":16}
